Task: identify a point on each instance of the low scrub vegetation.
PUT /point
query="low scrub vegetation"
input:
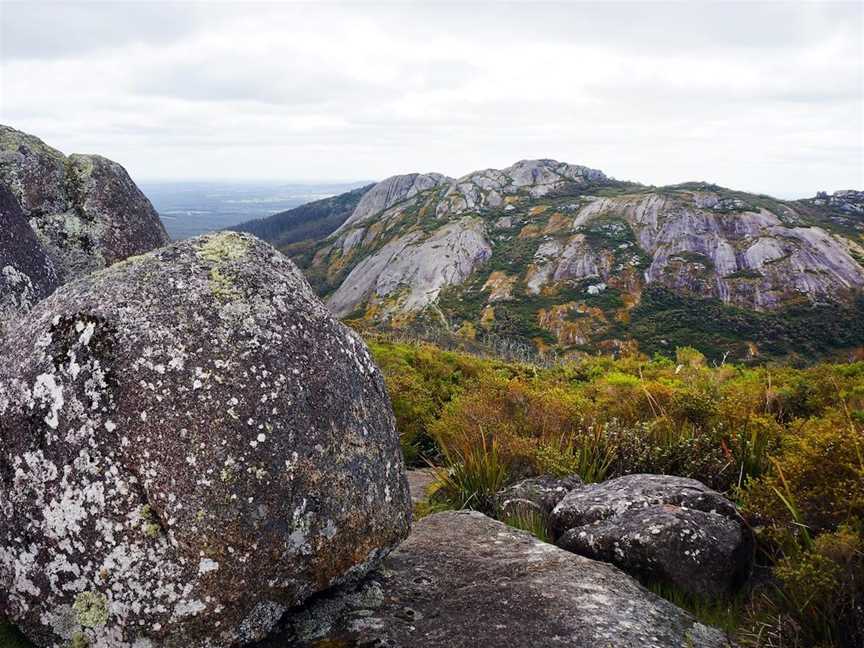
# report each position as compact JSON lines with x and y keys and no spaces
{"x":786,"y":443}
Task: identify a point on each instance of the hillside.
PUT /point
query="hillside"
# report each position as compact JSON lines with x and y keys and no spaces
{"x":562,"y":257}
{"x":310,"y":222}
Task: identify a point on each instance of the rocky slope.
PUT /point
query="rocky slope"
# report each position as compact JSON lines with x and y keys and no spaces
{"x":563,"y":256}
{"x":85,"y":212}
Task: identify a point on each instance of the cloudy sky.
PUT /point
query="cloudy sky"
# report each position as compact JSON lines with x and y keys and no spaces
{"x":764,"y":97}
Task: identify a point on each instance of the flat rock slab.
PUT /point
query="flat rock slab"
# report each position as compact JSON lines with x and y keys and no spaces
{"x":465,"y":580}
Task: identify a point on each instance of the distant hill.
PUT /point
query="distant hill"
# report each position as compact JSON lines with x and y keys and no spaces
{"x":310,"y":222}
{"x":568,"y":260}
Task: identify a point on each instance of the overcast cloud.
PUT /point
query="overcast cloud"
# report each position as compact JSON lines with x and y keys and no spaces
{"x":763,"y":97}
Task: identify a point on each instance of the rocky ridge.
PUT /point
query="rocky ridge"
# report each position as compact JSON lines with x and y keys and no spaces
{"x":561,"y":254}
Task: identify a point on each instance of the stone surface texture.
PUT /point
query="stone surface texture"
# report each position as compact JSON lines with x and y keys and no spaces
{"x":190,"y":444}
{"x":27,"y":273}
{"x":85,"y":210}
{"x":540,"y":494}
{"x":660,"y":528}
{"x":464,"y":580}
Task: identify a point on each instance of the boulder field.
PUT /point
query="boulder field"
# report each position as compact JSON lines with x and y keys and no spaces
{"x":191,"y":445}
{"x":658,"y":528}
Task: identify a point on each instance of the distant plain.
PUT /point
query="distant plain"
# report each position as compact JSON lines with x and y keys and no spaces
{"x":191,"y":208}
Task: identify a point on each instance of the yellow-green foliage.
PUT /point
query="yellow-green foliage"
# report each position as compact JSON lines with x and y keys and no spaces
{"x":520,"y":415}
{"x":786,"y":443}
{"x":819,"y":596}
{"x":421,"y":380}
{"x":472,"y":475}
{"x":533,"y":522}
{"x":821,"y":465}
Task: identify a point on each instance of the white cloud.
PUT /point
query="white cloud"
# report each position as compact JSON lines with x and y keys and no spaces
{"x":765,"y":97}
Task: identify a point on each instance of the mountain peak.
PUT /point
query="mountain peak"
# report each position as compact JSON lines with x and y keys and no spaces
{"x":391,"y":191}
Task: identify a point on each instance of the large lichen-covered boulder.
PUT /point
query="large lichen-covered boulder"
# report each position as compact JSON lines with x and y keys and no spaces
{"x":27,"y":273}
{"x":85,"y":209}
{"x":662,"y":528}
{"x":464,"y":580}
{"x":190,"y":444}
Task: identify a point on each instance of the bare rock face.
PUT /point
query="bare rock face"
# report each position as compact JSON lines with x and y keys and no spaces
{"x":189,"y":445}
{"x":411,"y":271}
{"x":701,"y":243}
{"x":464,"y":580}
{"x":390,"y":192}
{"x":85,"y":209}
{"x":663,"y":528}
{"x":27,"y":273}
{"x":565,"y":259}
{"x":848,"y":200}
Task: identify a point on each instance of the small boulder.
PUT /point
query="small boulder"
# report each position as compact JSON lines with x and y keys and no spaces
{"x":190,"y":444}
{"x":538,"y":494}
{"x":660,"y":528}
{"x":464,"y":580}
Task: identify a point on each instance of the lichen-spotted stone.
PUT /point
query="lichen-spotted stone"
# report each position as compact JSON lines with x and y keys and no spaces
{"x":181,"y":462}
{"x":27,"y":273}
{"x":63,"y":217}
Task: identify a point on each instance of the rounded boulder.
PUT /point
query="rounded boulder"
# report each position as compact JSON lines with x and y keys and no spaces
{"x":660,"y":528}
{"x":190,"y":444}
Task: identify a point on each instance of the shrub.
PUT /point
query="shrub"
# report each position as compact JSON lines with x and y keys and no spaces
{"x":822,"y":466}
{"x":421,"y":380}
{"x":472,"y":475}
{"x":533,"y":522}
{"x":521,"y":415}
{"x":788,"y":443}
{"x":817,"y":598}
{"x":589,"y":455}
